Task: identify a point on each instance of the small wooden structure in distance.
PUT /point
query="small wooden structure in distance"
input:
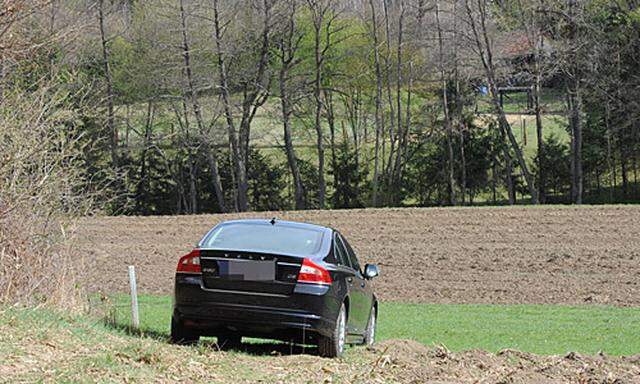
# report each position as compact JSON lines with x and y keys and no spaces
{"x":506,"y":90}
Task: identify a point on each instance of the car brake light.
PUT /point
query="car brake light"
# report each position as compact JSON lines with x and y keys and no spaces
{"x":313,"y":273}
{"x":190,"y":263}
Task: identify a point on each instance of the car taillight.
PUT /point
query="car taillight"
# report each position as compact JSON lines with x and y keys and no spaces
{"x":190,"y":263}
{"x":313,"y":273}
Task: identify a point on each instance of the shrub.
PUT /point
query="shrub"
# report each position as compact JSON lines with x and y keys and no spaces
{"x":41,"y":192}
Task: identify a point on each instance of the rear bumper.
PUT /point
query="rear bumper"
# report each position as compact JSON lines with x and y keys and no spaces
{"x":213,"y":319}
{"x":301,"y":316}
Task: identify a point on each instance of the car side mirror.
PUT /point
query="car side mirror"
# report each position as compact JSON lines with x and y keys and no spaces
{"x":371,"y":271}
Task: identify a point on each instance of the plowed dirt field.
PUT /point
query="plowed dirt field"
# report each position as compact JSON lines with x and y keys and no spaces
{"x":562,"y":255}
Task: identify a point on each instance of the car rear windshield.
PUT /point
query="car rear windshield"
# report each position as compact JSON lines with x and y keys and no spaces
{"x":266,"y":238}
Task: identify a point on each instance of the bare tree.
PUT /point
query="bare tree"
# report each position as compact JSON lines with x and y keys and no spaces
{"x":191,"y":94}
{"x":535,"y":37}
{"x":111,"y":124}
{"x":388,"y":75}
{"x":288,"y":44}
{"x":378,"y":102}
{"x":445,"y":107}
{"x":459,"y":113}
{"x":477,"y":16}
{"x":255,"y":90}
{"x":528,"y":19}
{"x":574,"y":99}
{"x":400,"y":137}
{"x":143,"y":184}
{"x":322,"y":19}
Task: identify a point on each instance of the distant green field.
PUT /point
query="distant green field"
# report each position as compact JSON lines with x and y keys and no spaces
{"x":551,"y":101}
{"x":266,"y":129}
{"x":541,"y":329}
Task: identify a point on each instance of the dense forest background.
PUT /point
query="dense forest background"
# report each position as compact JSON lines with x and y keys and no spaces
{"x":193,"y":106}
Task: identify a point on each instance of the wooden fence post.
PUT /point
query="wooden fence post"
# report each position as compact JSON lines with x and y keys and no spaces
{"x":134,"y":298}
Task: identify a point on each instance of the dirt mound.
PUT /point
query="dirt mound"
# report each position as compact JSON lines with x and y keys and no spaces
{"x":558,"y":255}
{"x":411,"y":362}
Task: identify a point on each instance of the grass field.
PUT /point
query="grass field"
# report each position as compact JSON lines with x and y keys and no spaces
{"x":540,"y":329}
{"x":45,"y":345}
{"x":266,"y":129}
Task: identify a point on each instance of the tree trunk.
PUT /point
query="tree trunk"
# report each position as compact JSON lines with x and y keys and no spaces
{"x":610,"y":162}
{"x":193,"y":192}
{"x":332,"y":132}
{"x":635,"y":174}
{"x":192,"y":204}
{"x":394,"y":165}
{"x":578,"y":151}
{"x":317,"y":89}
{"x":623,"y":169}
{"x":511,"y":191}
{"x":378,"y":102}
{"x":238,"y":160}
{"x":575,"y":103}
{"x":539,"y":136}
{"x":356,"y":144}
{"x":287,"y":55}
{"x":445,"y":109}
{"x":575,"y":98}
{"x":215,"y":176}
{"x":463,"y":162}
{"x":197,"y":110}
{"x":402,"y":145}
{"x":111,"y":125}
{"x":494,"y":176}
{"x":459,"y":107}
{"x":142,"y":188}
{"x":319,"y":141}
{"x":392,"y":111}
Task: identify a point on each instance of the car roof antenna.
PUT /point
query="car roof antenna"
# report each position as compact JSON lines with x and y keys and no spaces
{"x":273,"y":221}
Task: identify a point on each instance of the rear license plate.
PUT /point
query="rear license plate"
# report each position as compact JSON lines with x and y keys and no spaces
{"x":247,"y":270}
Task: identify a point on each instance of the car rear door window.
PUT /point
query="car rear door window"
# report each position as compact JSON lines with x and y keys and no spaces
{"x":352,"y":255}
{"x":342,"y":256}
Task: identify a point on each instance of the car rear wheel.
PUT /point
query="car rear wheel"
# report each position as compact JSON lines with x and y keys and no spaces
{"x":229,"y":341}
{"x":333,"y":346}
{"x":370,"y":334}
{"x":182,"y":335}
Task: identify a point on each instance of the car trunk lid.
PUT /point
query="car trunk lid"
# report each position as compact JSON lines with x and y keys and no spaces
{"x":251,"y":272}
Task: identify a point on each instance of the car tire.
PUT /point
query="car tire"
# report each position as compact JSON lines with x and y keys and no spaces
{"x":229,"y":341}
{"x":370,"y":334}
{"x":181,"y":335}
{"x":333,"y":346}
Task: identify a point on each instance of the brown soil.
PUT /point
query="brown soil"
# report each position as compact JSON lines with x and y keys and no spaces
{"x":410,"y":362}
{"x":561,"y":255}
{"x":441,"y":255}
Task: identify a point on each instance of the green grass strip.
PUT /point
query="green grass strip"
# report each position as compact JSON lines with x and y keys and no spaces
{"x":541,"y":329}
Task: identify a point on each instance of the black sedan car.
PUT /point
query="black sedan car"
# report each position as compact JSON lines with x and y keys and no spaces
{"x":278,"y":280}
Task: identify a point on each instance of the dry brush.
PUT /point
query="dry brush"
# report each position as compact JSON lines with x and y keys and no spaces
{"x":41,"y":184}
